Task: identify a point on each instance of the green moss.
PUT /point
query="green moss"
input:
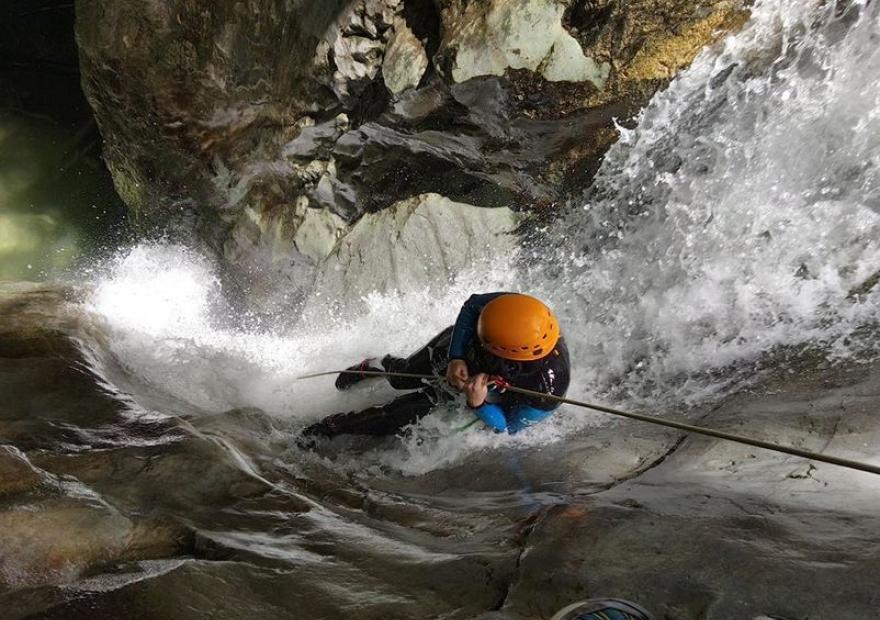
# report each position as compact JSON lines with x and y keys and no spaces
{"x":129,"y":189}
{"x":54,"y":208}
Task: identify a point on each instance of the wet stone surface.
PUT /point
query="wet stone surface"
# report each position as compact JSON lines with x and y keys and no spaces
{"x":720,"y":530}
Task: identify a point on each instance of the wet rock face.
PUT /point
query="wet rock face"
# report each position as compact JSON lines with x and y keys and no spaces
{"x":720,"y":530}
{"x":111,"y":512}
{"x":433,"y":236}
{"x":238,"y":119}
{"x":53,"y":526}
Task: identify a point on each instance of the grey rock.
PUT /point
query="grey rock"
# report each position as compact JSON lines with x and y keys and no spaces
{"x":721,"y":530}
{"x":316,"y":140}
{"x":491,"y":37}
{"x":405,"y":60}
{"x":214,"y":122}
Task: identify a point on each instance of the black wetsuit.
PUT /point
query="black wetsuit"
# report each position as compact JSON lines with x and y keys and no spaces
{"x":507,"y":411}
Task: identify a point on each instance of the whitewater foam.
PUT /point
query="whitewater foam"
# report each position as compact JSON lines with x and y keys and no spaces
{"x":735,"y":218}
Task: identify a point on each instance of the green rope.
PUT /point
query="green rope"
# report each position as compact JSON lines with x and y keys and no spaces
{"x":462,"y":429}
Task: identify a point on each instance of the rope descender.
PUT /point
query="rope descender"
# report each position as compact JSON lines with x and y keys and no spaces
{"x":500,"y":384}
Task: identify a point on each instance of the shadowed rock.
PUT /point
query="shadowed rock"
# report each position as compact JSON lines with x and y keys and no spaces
{"x":16,"y":473}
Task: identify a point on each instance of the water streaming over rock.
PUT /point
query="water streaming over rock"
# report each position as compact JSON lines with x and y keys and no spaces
{"x":740,"y":215}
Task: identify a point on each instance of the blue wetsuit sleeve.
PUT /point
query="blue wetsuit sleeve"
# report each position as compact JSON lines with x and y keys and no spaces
{"x":466,"y":323}
{"x":525,"y":416}
{"x":492,"y":416}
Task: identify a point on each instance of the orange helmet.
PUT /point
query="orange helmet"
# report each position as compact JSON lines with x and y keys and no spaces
{"x":518,"y":327}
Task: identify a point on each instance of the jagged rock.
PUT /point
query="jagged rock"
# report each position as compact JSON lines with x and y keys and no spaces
{"x":488,"y":38}
{"x":352,"y":49}
{"x":357,"y":59}
{"x":222,"y":121}
{"x":405,"y":60}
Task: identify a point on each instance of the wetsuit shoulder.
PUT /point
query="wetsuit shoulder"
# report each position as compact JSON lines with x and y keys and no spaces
{"x":465,"y":328}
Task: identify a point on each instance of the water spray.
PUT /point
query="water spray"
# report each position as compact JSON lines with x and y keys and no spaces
{"x":502,"y":385}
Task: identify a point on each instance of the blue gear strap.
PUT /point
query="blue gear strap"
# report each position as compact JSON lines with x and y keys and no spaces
{"x":523,"y":416}
{"x":492,"y":416}
{"x":466,"y":323}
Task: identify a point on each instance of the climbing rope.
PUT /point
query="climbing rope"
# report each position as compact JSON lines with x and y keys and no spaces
{"x":501,"y":385}
{"x":375,"y":373}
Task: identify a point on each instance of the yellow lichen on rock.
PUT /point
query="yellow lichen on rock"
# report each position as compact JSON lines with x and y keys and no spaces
{"x":663,"y":56}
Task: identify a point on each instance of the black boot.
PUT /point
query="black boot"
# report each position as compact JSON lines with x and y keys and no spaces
{"x":325,"y":429}
{"x":379,"y":421}
{"x":345,"y":380}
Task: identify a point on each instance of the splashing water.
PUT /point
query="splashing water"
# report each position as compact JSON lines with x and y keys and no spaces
{"x":737,"y":216}
{"x":740,"y":215}
{"x":167,"y":328}
{"x":168,"y":340}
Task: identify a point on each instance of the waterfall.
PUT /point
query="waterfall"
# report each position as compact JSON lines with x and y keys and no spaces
{"x":739,"y":216}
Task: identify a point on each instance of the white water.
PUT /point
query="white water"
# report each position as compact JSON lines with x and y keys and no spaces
{"x":735,"y":218}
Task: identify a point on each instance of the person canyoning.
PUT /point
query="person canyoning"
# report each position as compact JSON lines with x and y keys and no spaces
{"x":498,"y":338}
